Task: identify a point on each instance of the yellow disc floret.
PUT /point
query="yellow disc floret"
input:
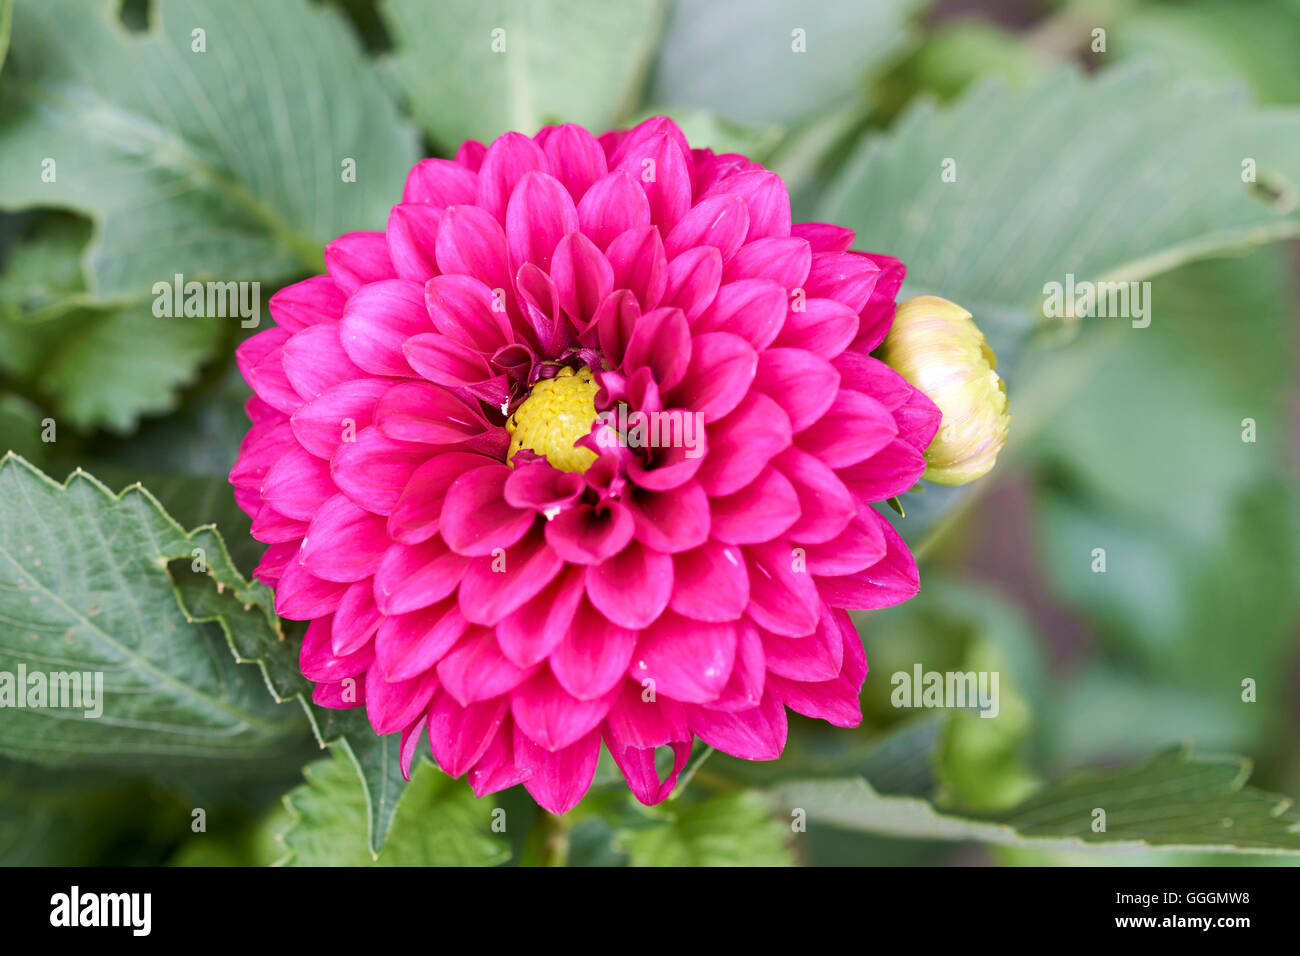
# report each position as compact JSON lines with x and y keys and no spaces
{"x":557,"y":412}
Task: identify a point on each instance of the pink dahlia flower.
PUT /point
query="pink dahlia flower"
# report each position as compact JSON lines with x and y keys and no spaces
{"x":583,"y":447}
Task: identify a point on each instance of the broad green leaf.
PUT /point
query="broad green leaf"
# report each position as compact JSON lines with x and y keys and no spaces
{"x":225,"y":163}
{"x":85,"y":587}
{"x":113,"y":580}
{"x":438,"y":823}
{"x":732,"y":830}
{"x":474,"y":69}
{"x":1258,"y":42}
{"x":42,"y":267}
{"x":121,"y":365}
{"x":766,"y":61}
{"x":1197,"y":524}
{"x":1173,"y":801}
{"x":1118,"y":177}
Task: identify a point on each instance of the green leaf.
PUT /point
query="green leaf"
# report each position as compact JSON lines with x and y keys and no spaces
{"x":1121,"y":176}
{"x":122,"y":365}
{"x":1175,"y":399}
{"x":438,"y":823}
{"x":1258,"y":44}
{"x":1173,"y":801}
{"x":732,"y":830}
{"x":738,"y":58}
{"x":580,"y":61}
{"x":224,"y":164}
{"x":85,"y":586}
{"x":42,"y":272}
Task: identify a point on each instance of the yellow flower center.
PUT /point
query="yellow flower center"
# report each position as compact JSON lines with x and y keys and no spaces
{"x":557,"y":412}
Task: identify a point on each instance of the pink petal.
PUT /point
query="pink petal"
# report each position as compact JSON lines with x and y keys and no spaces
{"x":308,"y":302}
{"x":766,"y":199}
{"x":318,"y":661}
{"x":891,"y":580}
{"x":823,"y":326}
{"x":407,"y":645}
{"x":529,"y":634}
{"x":844,"y":276}
{"x":551,"y":716}
{"x":356,"y":620}
{"x":642,"y":774}
{"x":259,"y":359}
{"x":301,"y":596}
{"x":721,"y":370}
{"x":661,"y":342}
{"x":670,"y":521}
{"x":594,"y":655}
{"x":472,"y":243}
{"x":893,"y":470}
{"x":314,"y":361}
{"x":298,"y":484}
{"x":640,"y":265}
{"x":785,"y":261}
{"x":356,"y":258}
{"x":575,"y":158}
{"x":693,"y":280}
{"x":712,"y":583}
{"x":755,"y":734}
{"x":343,"y":542}
{"x":539,"y":214}
{"x":497,"y":585}
{"x":613,"y":205}
{"x":463,"y":308}
{"x":460,"y":736}
{"x":374,"y":469}
{"x":378,"y":319}
{"x":583,"y":277}
{"x":741,"y":445}
{"x":744,"y":688}
{"x":412,"y":240}
{"x":824,"y":236}
{"x":339,"y":412}
{"x":689,"y":661}
{"x":663,"y":172}
{"x":761,"y":511}
{"x":497,"y":769}
{"x":858,"y":546}
{"x":392,"y":706}
{"x":855,"y":427}
{"x":477,"y":670}
{"x":817,"y":657}
{"x":506,"y":161}
{"x":560,"y":778}
{"x":415,"y":516}
{"x":720,"y":221}
{"x":754,"y":309}
{"x":413,"y":576}
{"x":633,"y":587}
{"x":587,"y":535}
{"x":803,"y":384}
{"x":825,"y":505}
{"x":440,"y":182}
{"x":783,"y":600}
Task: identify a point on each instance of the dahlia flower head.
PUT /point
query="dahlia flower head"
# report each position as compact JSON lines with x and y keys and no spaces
{"x":488,"y":561}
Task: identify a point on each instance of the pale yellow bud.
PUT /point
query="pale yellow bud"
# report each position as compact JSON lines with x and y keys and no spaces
{"x":937,"y":347}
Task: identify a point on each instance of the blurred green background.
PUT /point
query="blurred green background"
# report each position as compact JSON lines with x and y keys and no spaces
{"x":1118,"y":162}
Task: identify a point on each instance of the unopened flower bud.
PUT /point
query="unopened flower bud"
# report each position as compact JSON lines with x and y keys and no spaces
{"x":937,"y":347}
